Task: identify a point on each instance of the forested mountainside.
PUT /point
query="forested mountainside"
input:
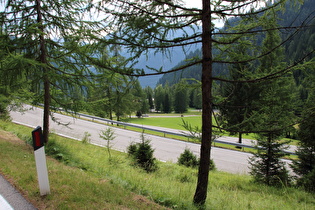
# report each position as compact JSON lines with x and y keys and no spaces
{"x":295,"y":47}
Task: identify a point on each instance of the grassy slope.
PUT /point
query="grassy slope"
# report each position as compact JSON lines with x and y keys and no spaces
{"x":71,"y":188}
{"x":115,"y":184}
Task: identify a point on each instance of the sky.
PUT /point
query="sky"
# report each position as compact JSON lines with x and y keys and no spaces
{"x":198,"y":4}
{"x":193,"y":3}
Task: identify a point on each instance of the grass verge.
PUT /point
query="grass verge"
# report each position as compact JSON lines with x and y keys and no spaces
{"x":114,"y":183}
{"x":176,"y":123}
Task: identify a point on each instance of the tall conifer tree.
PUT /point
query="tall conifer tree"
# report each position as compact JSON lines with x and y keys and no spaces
{"x":238,"y":98}
{"x":46,"y":36}
{"x":143,"y":26}
{"x":273,"y":114}
{"x":304,"y":167}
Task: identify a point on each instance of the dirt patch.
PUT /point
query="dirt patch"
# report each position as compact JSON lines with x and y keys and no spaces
{"x":146,"y":201}
{"x":7,"y":136}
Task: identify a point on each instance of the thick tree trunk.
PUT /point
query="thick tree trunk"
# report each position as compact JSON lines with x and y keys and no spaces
{"x":205,"y":150}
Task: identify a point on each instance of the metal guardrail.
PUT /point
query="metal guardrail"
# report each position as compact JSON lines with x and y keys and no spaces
{"x":167,"y":132}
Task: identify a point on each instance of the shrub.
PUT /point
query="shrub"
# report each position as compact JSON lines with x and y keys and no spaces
{"x":132,"y":149}
{"x":187,"y":158}
{"x":142,"y":153}
{"x":212,"y":166}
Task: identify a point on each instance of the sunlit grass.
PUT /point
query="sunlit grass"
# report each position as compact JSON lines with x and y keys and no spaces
{"x":177,"y":123}
{"x":166,"y":122}
{"x":113,"y":184}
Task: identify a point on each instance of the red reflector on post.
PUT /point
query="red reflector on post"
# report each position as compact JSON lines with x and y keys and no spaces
{"x":37,"y":138}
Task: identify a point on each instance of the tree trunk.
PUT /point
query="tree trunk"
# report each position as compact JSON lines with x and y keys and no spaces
{"x":43,"y":60}
{"x":268,"y":159}
{"x":240,"y":137}
{"x":239,"y":140}
{"x":46,"y":110}
{"x":205,"y":150}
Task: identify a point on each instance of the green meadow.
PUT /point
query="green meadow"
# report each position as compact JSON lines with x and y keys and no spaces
{"x":84,"y":177}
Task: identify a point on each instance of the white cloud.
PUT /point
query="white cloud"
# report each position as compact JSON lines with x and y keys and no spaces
{"x":193,"y":3}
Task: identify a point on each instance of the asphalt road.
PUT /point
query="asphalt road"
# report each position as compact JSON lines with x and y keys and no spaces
{"x":11,"y":199}
{"x":165,"y":149}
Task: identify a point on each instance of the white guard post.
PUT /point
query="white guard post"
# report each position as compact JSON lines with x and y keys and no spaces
{"x":40,"y":159}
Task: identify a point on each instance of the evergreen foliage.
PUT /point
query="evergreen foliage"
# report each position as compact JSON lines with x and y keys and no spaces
{"x":56,"y":47}
{"x":167,"y":103}
{"x":159,"y":98}
{"x":46,"y":38}
{"x":238,"y":98}
{"x":197,"y":100}
{"x":181,"y":98}
{"x":149,"y":93}
{"x":112,"y":93}
{"x":266,"y":166}
{"x":4,"y":102}
{"x":304,"y":167}
{"x":273,"y":113}
{"x":142,"y":154}
{"x":188,"y":159}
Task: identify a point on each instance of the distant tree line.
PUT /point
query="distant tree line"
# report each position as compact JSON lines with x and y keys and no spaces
{"x":122,"y":97}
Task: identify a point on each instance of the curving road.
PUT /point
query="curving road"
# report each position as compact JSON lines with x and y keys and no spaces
{"x":165,"y":149}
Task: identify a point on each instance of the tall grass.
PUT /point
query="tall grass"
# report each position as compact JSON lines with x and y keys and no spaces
{"x":171,"y":185}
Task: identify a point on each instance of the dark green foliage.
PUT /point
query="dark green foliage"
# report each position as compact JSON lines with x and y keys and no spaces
{"x":159,"y":98}
{"x":132,"y":149}
{"x":139,"y":114}
{"x":187,"y":158}
{"x":50,"y":63}
{"x":167,"y":103}
{"x":4,"y":102}
{"x":212,"y":166}
{"x":181,"y":97}
{"x":139,"y":99}
{"x":238,"y":98}
{"x":197,"y":99}
{"x":307,"y":181}
{"x":142,"y":154}
{"x":304,"y":167}
{"x":163,"y":98}
{"x":149,"y":92}
{"x":266,"y":165}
